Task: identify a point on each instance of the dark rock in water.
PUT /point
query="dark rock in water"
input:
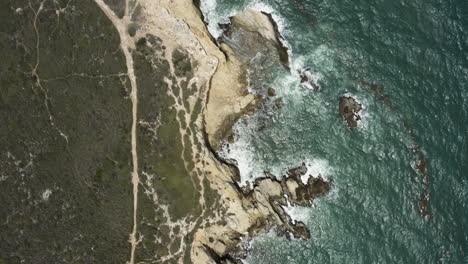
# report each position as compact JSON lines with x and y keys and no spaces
{"x":424,"y":201}
{"x":297,"y":172}
{"x":306,"y":78}
{"x":282,"y":49}
{"x":300,"y":193}
{"x":315,"y":187}
{"x":278,"y":103}
{"x":271,"y":92}
{"x":349,"y":109}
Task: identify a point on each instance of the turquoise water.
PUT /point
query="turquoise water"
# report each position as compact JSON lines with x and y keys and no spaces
{"x":416,"y":53}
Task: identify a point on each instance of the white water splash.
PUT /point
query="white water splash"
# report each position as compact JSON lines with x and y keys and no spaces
{"x":214,"y":16}
{"x":298,"y":213}
{"x":316,"y":168}
{"x":243,"y":153}
{"x":287,"y":85}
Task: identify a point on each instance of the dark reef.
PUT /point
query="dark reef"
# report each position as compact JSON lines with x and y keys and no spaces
{"x":349,"y":109}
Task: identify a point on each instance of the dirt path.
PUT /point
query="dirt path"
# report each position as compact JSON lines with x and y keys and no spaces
{"x":126,"y":44}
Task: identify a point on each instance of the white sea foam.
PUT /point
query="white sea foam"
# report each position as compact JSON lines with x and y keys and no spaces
{"x":316,"y":168}
{"x":324,"y":56}
{"x":287,"y":84}
{"x":279,"y":20}
{"x":314,"y":77}
{"x":321,"y":56}
{"x":242,"y":151}
{"x":298,"y":213}
{"x":214,"y":17}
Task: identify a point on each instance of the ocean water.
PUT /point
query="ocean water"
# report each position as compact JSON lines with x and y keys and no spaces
{"x":406,"y":61}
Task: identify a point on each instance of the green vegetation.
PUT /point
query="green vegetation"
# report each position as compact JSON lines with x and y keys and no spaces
{"x":65,"y":156}
{"x":182,"y":63}
{"x":162,"y":156}
{"x":82,"y":157}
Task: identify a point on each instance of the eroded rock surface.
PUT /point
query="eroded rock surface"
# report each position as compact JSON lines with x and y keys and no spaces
{"x":263,"y":206}
{"x":251,"y":44}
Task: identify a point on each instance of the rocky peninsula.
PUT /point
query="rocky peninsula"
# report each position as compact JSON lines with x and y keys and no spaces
{"x":126,"y":103}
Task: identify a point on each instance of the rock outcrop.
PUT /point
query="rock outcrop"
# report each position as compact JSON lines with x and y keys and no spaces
{"x":118,"y":163}
{"x":349,"y":109}
{"x":249,"y":35}
{"x":306,"y":79}
{"x":256,"y":210}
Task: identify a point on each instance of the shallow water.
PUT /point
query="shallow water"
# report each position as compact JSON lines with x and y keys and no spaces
{"x":414,"y":54}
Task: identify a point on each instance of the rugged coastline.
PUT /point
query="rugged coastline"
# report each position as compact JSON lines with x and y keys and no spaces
{"x":131,"y":101}
{"x":244,"y":212}
{"x":248,"y":211}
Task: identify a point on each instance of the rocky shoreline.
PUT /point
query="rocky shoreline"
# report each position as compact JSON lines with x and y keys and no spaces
{"x":116,"y":112}
{"x":267,"y":199}
{"x":249,"y":211}
{"x":114,"y":115}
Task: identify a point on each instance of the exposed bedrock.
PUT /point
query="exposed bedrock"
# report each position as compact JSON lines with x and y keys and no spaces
{"x":264,"y":26}
{"x":263,"y":205}
{"x":252,"y":48}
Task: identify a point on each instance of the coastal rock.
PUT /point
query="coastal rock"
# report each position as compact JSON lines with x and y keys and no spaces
{"x":307,"y":79}
{"x":230,"y":215}
{"x":165,"y":96}
{"x":260,"y":208}
{"x":271,"y":92}
{"x":264,"y":24}
{"x":349,"y":109}
{"x":270,"y":194}
{"x":250,"y":33}
{"x":279,"y":103}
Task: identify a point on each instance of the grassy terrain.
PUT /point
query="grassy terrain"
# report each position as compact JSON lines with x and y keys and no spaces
{"x":161,"y":154}
{"x":65,"y":153}
{"x":87,"y":213}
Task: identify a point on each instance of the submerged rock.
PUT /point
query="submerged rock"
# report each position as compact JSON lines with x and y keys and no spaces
{"x":279,"y":103}
{"x":271,"y":92}
{"x":306,"y":78}
{"x":349,"y":109}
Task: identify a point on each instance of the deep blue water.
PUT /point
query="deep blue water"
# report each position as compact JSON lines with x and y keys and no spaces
{"x":414,"y":53}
